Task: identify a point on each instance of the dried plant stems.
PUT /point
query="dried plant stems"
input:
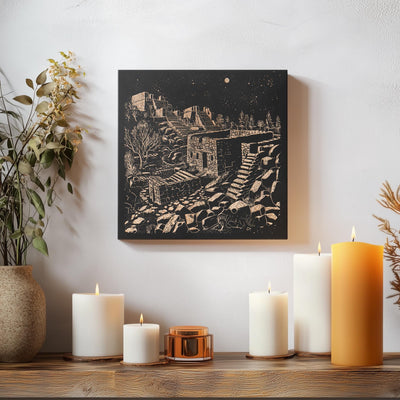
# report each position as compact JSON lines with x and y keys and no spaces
{"x":391,"y":200}
{"x":37,"y":145}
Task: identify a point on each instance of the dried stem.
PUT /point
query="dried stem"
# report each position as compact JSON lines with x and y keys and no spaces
{"x":391,"y":200}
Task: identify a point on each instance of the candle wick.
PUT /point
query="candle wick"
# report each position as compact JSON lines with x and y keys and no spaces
{"x":269,"y":290}
{"x":353,"y":240}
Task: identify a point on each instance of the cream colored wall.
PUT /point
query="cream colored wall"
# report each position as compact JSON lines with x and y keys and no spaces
{"x":344,"y":138}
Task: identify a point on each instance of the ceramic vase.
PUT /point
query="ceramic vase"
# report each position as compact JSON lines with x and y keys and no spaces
{"x":22,"y":314}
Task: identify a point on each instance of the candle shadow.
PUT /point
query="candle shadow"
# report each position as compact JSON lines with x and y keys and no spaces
{"x":298,"y":190}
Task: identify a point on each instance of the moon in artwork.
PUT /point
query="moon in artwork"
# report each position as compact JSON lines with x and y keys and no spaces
{"x":227,"y":80}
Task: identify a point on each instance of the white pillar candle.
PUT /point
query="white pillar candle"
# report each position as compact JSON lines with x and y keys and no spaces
{"x":268,"y":323}
{"x":312,"y":303}
{"x":141,"y":343}
{"x":97,"y":324}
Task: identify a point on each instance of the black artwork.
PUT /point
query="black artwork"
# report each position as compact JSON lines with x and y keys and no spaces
{"x":202,"y":154}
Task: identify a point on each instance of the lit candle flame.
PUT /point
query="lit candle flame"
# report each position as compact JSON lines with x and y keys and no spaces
{"x":353,"y":234}
{"x":269,"y":287}
{"x":319,"y":248}
{"x":97,"y":289}
{"x":141,"y":319}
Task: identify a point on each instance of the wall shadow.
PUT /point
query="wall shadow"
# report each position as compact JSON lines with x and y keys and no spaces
{"x":58,"y":309}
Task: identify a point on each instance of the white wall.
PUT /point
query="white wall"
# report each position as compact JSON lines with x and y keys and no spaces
{"x":344,"y":138}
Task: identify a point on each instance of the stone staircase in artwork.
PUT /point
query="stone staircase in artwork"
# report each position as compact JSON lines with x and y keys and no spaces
{"x":206,"y":121}
{"x":245,"y":177}
{"x":177,"y":124}
{"x":180,"y":176}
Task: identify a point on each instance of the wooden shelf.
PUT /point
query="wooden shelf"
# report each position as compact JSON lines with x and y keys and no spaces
{"x":228,"y":375}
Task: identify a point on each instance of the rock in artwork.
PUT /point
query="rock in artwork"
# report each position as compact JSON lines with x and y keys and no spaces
{"x":202,"y":154}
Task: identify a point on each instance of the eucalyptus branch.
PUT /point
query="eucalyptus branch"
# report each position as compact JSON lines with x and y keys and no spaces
{"x":41,"y":145}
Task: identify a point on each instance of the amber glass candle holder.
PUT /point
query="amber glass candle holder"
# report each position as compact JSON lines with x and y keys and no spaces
{"x":188,"y":343}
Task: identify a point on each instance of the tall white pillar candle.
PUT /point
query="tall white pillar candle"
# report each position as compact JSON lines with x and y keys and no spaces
{"x":97,"y":324}
{"x":268,"y":323}
{"x":312,"y":303}
{"x":141,"y":343}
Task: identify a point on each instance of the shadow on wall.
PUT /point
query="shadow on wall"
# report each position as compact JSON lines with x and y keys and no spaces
{"x":298,"y":189}
{"x":59,"y":313}
{"x":58,"y":293}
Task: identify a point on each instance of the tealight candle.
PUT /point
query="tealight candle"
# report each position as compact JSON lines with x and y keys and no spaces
{"x":141,"y":343}
{"x":312,"y":302}
{"x":357,"y":303}
{"x":268,"y":323}
{"x":97,"y":321}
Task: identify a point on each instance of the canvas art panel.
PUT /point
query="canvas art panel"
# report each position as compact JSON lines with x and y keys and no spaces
{"x":202,"y":154}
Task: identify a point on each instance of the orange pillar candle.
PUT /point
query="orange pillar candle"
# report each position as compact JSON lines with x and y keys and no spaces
{"x":357,"y":304}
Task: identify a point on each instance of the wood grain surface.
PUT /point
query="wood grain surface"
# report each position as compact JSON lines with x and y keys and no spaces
{"x":228,"y":375}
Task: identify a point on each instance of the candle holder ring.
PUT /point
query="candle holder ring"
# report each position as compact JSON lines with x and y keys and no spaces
{"x":289,"y":354}
{"x":307,"y":354}
{"x":71,"y":357}
{"x":162,"y":361}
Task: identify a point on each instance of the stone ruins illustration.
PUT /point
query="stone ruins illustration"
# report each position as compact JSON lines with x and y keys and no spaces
{"x":191,"y":172}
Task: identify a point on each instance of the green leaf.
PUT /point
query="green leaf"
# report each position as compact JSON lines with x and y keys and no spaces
{"x":69,"y":186}
{"x":33,"y":145}
{"x":12,"y":154}
{"x":42,"y":107}
{"x":32,"y":221}
{"x":9,"y":223}
{"x":48,"y":182}
{"x":61,"y":171}
{"x":38,"y":183}
{"x":47,"y":158}
{"x":41,"y":78}
{"x":50,"y":197}
{"x":40,"y":245}
{"x":25,"y":168}
{"x":46,"y":89}
{"x":16,"y":235}
{"x":37,"y":202}
{"x":54,"y":146}
{"x":28,"y":230}
{"x":69,"y":153}
{"x":31,"y":158}
{"x":29,"y":82}
{"x":23,"y":99}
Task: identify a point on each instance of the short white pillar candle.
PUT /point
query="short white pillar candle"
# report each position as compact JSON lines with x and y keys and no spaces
{"x":268,"y":323}
{"x":97,"y":323}
{"x":141,"y":343}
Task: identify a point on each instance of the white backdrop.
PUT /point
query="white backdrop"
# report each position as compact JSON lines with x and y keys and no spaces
{"x":344,"y":138}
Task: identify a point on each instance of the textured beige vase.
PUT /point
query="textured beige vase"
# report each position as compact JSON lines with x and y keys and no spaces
{"x":22,"y":314}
